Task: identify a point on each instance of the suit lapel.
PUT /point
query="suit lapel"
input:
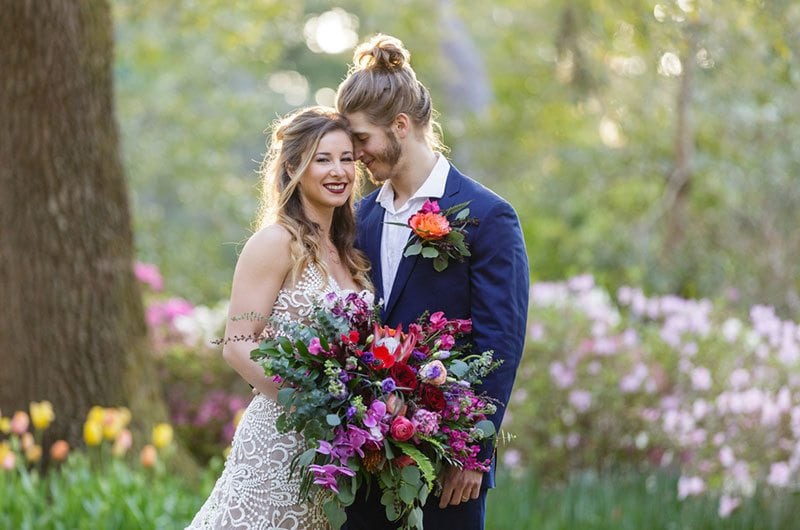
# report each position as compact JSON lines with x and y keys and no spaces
{"x":373,"y":233}
{"x":406,"y":266}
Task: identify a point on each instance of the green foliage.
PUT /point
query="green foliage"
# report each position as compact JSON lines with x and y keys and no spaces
{"x":564,"y":108}
{"x":80,"y":496}
{"x":626,"y":500}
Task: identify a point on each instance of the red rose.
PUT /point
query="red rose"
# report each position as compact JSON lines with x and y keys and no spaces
{"x":432,"y":397}
{"x":404,"y":376}
{"x":402,"y":461}
{"x":402,"y":429}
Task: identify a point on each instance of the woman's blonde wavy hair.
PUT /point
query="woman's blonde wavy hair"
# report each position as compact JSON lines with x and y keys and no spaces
{"x":293,"y":144}
{"x":382,"y":84}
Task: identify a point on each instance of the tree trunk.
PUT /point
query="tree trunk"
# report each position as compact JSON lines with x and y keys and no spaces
{"x":72,"y":327}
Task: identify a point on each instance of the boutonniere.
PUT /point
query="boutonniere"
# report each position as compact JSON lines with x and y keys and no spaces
{"x":439,"y":235}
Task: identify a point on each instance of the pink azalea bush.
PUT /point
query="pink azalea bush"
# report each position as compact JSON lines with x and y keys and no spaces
{"x":204,"y":395}
{"x":658,"y":381}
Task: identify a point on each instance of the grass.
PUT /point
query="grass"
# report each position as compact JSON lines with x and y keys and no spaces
{"x":631,"y":501}
{"x":79,"y":496}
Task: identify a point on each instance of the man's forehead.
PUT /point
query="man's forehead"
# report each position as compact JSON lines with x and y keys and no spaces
{"x":358,"y":122}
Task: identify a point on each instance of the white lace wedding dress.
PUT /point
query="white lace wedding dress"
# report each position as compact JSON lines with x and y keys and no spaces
{"x":255,"y":491}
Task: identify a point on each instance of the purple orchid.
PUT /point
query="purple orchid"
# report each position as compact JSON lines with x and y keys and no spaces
{"x":325,"y":475}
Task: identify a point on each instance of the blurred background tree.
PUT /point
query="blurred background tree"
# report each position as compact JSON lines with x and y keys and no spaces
{"x":73,"y":329}
{"x":649,"y":143}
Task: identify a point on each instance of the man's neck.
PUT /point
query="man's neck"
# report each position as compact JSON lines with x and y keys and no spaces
{"x":419,"y":162}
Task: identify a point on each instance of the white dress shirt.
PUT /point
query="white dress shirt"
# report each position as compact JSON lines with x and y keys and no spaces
{"x":394,"y":238}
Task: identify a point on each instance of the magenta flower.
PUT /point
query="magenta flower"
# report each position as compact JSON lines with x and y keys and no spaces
{"x":325,"y":475}
{"x":430,"y":207}
{"x":148,"y":274}
{"x":315,"y":346}
{"x":426,"y":422}
{"x":438,"y":321}
{"x":446,"y":342}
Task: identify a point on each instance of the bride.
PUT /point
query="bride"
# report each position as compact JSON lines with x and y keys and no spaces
{"x":303,"y":250}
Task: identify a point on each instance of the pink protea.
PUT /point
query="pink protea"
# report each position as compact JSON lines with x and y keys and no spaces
{"x":392,"y":346}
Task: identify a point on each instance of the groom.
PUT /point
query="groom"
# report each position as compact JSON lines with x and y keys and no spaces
{"x":390,"y":114}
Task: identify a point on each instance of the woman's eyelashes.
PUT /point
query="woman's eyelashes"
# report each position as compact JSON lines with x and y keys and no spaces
{"x":326,"y":160}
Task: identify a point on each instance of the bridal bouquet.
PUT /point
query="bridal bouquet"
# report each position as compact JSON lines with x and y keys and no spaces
{"x":395,"y":405}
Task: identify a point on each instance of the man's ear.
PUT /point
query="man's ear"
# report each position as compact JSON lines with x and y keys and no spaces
{"x":401,"y":125}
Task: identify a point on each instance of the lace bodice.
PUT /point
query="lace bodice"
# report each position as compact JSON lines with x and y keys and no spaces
{"x":295,"y":302}
{"x":255,"y":490}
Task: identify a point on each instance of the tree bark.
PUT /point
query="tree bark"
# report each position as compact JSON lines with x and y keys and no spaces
{"x":72,"y":327}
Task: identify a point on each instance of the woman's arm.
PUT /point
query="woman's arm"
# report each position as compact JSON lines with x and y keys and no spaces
{"x":260,"y":272}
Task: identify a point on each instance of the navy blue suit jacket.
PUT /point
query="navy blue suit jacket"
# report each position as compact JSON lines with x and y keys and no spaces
{"x":490,"y":287}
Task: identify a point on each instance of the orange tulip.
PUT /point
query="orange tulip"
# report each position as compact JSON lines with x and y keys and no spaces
{"x":20,"y":422}
{"x":59,"y":451}
{"x":149,"y":456}
{"x":26,"y":441}
{"x":33,"y":453}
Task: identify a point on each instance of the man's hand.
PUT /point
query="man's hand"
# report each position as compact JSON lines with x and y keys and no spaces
{"x":460,"y":486}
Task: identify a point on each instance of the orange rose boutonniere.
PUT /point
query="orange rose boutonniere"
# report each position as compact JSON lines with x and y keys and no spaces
{"x":439,"y":235}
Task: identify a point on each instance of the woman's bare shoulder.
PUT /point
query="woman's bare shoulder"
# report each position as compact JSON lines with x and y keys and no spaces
{"x":268,"y":247}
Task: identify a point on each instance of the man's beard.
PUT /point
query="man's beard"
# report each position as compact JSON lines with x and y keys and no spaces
{"x":389,"y":157}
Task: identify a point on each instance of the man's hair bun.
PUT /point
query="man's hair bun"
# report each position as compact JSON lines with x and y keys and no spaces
{"x":381,"y":52}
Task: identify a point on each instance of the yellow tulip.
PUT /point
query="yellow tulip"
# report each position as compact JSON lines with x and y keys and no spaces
{"x":124,"y":416}
{"x":42,"y":414}
{"x":92,"y":433}
{"x":162,"y":435}
{"x":5,"y":425}
{"x":96,"y":414}
{"x":112,"y":424}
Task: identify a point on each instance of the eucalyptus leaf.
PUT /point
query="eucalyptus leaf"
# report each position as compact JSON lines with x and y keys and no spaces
{"x":346,"y":496}
{"x":334,"y":513}
{"x":487,"y":427}
{"x":423,"y":494}
{"x":429,"y":252}
{"x":413,"y":250}
{"x":285,"y":396}
{"x":333,"y":420}
{"x":462,"y":214}
{"x":408,"y":493}
{"x":415,"y":518}
{"x":410,"y":474}
{"x":391,"y":512}
{"x":388,"y":498}
{"x":440,"y":262}
{"x":458,"y":368}
{"x":306,"y":457}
